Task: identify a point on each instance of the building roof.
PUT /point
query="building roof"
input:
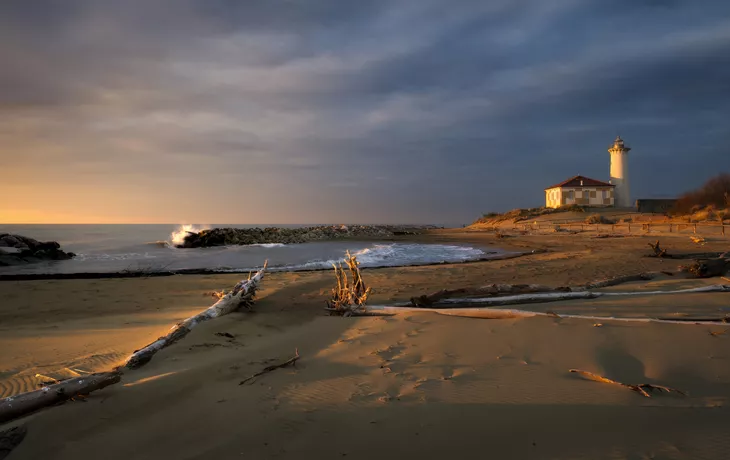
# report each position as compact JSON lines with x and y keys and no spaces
{"x":576,"y":182}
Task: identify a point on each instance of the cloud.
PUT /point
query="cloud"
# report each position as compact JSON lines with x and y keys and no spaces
{"x":424,"y":111}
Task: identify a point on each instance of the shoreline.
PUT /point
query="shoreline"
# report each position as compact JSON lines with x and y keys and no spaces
{"x":497,"y":251}
{"x":205,"y":271}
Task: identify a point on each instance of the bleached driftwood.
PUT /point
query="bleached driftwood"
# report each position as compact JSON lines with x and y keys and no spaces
{"x":557,"y":296}
{"x":348,"y":298}
{"x":242,"y":295}
{"x":500,"y":313}
{"x":502,"y":289}
{"x":16,"y":406}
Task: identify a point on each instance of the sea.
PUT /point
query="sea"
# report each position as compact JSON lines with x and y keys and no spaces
{"x":151,"y":247}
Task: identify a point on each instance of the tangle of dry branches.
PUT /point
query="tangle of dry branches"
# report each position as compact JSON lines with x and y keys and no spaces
{"x":350,"y":295}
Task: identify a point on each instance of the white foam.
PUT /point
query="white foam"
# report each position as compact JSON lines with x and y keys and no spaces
{"x":178,"y":236}
{"x":396,"y":255}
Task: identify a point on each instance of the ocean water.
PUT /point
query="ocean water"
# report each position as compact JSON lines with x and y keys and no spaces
{"x":111,"y":248}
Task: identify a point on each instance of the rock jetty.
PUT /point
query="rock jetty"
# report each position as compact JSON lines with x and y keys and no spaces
{"x":17,"y":249}
{"x":243,"y":236}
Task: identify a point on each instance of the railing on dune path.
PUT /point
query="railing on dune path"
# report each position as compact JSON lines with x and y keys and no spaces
{"x":710,"y":229}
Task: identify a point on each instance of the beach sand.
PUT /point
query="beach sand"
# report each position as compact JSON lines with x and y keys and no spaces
{"x":414,"y":385}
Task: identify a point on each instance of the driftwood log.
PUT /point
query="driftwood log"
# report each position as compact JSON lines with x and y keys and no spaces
{"x":510,"y":289}
{"x":501,"y":313}
{"x":242,"y":295}
{"x":16,"y":406}
{"x":13,"y":407}
{"x":491,"y":290}
{"x":706,"y":268}
{"x":543,"y":297}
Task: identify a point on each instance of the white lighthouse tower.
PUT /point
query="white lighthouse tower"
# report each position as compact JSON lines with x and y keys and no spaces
{"x":620,"y":173}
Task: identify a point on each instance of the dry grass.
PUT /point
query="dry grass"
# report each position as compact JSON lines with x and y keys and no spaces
{"x":598,"y":219}
{"x":518,"y":215}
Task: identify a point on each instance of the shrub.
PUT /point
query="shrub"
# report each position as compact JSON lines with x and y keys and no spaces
{"x":715,"y":192}
{"x":598,"y":219}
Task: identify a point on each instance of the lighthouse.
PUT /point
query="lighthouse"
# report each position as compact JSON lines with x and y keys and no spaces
{"x":620,"y":173}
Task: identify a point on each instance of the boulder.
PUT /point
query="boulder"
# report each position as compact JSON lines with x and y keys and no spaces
{"x":17,"y":250}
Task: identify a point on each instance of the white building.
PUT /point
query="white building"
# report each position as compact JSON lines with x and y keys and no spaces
{"x":620,"y":172}
{"x":580,"y":190}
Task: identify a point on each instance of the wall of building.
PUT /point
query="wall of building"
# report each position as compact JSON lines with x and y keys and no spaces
{"x":583,"y":196}
{"x":655,"y":205}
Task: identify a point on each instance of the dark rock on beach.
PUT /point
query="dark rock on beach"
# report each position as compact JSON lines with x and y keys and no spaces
{"x":17,"y":250}
{"x":243,"y":236}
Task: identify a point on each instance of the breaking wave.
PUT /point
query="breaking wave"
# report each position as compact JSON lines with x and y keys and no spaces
{"x":397,"y":255}
{"x":178,"y":236}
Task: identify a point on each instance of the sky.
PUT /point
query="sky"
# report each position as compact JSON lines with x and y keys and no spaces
{"x":367,"y":111}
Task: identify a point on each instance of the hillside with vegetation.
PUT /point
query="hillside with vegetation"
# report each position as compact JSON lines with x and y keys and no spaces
{"x":710,"y":202}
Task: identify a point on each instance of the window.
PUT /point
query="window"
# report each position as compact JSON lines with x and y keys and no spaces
{"x":593,"y":193}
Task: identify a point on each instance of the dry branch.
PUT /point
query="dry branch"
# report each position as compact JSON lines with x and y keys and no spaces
{"x":348,"y":298}
{"x":544,"y":297}
{"x":501,"y":313}
{"x":658,"y":251}
{"x":16,"y":406}
{"x":242,"y":295}
{"x":290,"y":362}
{"x":641,"y":388}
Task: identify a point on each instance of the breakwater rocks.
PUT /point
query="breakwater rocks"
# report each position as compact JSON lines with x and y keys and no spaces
{"x":243,"y":236}
{"x":17,"y":249}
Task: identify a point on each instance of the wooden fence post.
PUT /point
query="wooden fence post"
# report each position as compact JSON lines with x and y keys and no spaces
{"x":694,"y":230}
{"x":670,"y":228}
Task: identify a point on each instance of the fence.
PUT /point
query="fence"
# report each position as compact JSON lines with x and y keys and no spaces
{"x":632,"y":227}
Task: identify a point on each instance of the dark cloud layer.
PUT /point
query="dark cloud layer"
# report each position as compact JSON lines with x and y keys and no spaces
{"x":325,"y":110}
